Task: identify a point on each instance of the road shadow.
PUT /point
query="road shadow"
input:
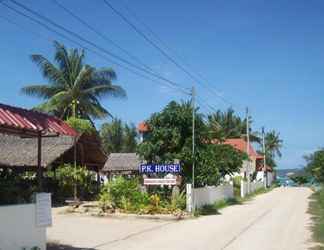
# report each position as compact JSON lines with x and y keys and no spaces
{"x":58,"y":246}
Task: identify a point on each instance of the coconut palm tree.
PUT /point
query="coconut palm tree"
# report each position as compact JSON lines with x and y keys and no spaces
{"x":227,"y":124}
{"x":73,"y":88}
{"x":273,"y":144}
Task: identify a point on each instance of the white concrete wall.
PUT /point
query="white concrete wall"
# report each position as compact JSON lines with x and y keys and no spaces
{"x":18,"y":228}
{"x":250,"y":187}
{"x":209,"y":195}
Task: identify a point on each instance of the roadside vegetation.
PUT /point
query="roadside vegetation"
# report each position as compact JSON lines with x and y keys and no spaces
{"x":316,"y":209}
{"x":125,"y":195}
{"x":315,"y":168}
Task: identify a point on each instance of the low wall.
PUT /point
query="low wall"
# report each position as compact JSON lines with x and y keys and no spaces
{"x":250,"y":187}
{"x":210,"y":195}
{"x":18,"y":228}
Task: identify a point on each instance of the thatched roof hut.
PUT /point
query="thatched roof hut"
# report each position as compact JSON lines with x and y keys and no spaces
{"x":21,"y":153}
{"x":122,"y":163}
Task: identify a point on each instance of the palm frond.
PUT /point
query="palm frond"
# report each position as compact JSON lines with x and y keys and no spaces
{"x":101,"y":91}
{"x":41,"y":91}
{"x":48,"y":70}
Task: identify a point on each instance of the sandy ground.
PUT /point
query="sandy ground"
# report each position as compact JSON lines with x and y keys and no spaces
{"x":276,"y":220}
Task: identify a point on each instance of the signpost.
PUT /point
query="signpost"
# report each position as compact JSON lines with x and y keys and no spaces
{"x":159,"y":168}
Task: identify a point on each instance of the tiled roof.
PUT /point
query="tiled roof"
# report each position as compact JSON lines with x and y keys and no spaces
{"x":142,"y":127}
{"x":22,"y":120}
{"x":241,"y":145}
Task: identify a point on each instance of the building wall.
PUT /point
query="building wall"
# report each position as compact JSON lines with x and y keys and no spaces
{"x":210,"y":195}
{"x":18,"y":228}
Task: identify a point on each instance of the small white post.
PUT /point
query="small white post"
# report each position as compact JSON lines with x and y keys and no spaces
{"x":242,"y":189}
{"x":189,"y":197}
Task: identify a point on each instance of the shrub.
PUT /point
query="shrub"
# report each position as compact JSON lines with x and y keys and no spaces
{"x":66,"y":177}
{"x":237,"y":185}
{"x":178,"y":201}
{"x":124,"y":194}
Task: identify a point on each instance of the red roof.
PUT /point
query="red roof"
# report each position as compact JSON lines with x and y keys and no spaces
{"x":22,"y":120}
{"x":241,"y":145}
{"x":143,"y":127}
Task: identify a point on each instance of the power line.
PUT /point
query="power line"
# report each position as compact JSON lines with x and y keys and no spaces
{"x":141,"y":33}
{"x":70,"y":32}
{"x":103,"y":36}
{"x":79,"y":44}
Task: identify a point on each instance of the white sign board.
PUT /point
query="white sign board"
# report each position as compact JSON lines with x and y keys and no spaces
{"x":160,"y":181}
{"x":43,"y":210}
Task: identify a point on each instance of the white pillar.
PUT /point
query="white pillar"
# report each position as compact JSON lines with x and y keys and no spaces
{"x":189,"y":204}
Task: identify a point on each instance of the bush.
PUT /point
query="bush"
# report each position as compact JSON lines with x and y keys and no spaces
{"x":237,"y":185}
{"x":67,"y":176}
{"x":16,"y":188}
{"x":124,"y":194}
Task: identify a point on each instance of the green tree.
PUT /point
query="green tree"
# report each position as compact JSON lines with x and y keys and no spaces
{"x":74,"y":88}
{"x":273,"y":145}
{"x":118,"y":137}
{"x":224,"y":125}
{"x":170,"y":138}
{"x":315,"y":165}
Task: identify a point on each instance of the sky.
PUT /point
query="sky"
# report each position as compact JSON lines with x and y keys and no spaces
{"x":265,"y":55}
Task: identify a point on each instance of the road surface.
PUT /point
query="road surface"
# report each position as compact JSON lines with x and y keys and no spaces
{"x":277,"y":220}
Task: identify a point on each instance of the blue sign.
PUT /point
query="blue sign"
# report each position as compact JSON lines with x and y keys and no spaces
{"x":159,"y":168}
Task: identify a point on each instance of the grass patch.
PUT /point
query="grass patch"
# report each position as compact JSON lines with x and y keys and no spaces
{"x":316,"y":209}
{"x":212,"y":209}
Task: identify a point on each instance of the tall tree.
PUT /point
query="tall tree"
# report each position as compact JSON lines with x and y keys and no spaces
{"x":73,"y":88}
{"x":273,"y":144}
{"x":227,"y":124}
{"x":118,"y":137}
{"x":315,"y":165}
{"x":170,"y":138}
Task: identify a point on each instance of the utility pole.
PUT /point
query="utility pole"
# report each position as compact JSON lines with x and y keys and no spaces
{"x":248,"y":146}
{"x":264,"y":157}
{"x":193,"y":97}
{"x":247,"y":132}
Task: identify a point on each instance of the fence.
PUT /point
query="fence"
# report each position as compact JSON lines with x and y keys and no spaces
{"x":250,"y":187}
{"x":210,"y":195}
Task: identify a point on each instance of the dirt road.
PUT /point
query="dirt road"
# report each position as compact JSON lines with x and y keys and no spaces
{"x":276,"y":220}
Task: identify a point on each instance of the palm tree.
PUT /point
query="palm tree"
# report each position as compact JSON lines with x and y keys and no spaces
{"x":273,"y":144}
{"x":74,"y":88}
{"x":224,"y":125}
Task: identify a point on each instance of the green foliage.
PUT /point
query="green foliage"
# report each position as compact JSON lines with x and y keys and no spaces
{"x":124,"y":194}
{"x":212,"y":209}
{"x":316,"y":208}
{"x":170,"y":138}
{"x":118,"y":137}
{"x":224,"y":125}
{"x":67,"y":176}
{"x":83,"y":126}
{"x":237,"y":185}
{"x":16,"y":188}
{"x":73,"y":85}
{"x":315,"y":165}
{"x":299,"y":179}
